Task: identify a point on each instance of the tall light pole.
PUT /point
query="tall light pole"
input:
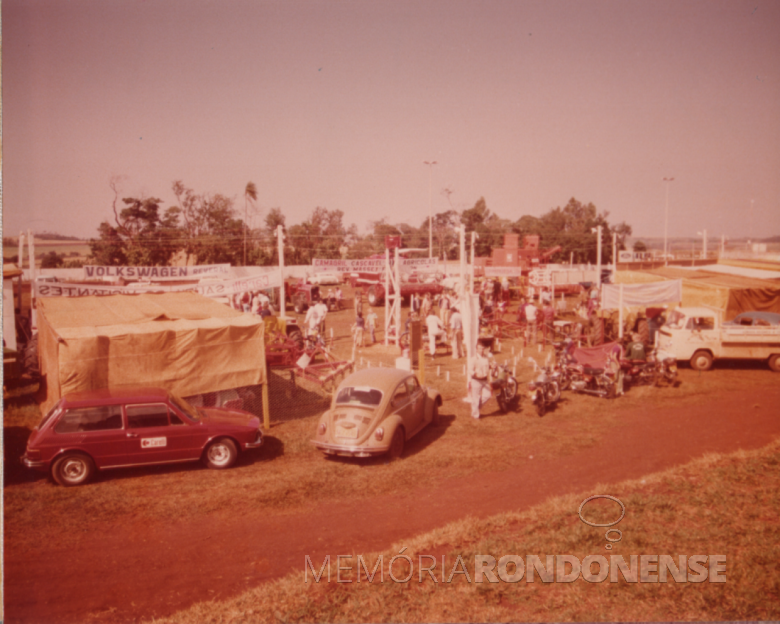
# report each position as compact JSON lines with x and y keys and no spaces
{"x":430,"y":164}
{"x":666,"y":222}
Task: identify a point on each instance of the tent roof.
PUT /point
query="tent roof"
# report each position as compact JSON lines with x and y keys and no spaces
{"x":77,"y":312}
{"x":709,"y":278}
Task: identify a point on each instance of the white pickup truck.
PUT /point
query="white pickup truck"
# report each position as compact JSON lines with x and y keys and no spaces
{"x":697,"y":335}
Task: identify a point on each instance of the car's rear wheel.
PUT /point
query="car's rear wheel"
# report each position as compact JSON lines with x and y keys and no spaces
{"x":701,"y":361}
{"x":221,"y":454}
{"x":397,"y":444}
{"x":774,"y":362}
{"x":73,"y":469}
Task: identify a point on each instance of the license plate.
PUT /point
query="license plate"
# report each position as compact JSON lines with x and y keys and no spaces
{"x":343,"y":432}
{"x":154,"y":442}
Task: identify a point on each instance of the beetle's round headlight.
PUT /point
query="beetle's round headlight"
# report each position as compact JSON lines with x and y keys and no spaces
{"x":322,"y":428}
{"x":379,"y":434}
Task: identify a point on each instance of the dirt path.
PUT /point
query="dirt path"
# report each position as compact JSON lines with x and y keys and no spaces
{"x":124,"y":573}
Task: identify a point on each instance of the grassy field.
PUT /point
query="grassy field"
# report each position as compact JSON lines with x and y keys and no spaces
{"x":685,"y":511}
{"x":718,"y":505}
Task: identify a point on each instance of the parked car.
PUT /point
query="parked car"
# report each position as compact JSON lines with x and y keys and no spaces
{"x":99,"y":429}
{"x":375,"y":411}
{"x":764,"y":319}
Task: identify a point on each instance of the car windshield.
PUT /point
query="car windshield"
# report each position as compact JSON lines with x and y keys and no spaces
{"x":359,"y":395}
{"x":189,"y":411}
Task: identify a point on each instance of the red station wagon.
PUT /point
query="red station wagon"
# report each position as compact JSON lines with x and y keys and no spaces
{"x":97,"y":429}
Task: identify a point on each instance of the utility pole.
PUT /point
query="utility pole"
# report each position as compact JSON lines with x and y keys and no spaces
{"x":666,"y":222}
{"x":598,"y":256}
{"x":474,"y":238}
{"x":614,"y":253}
{"x":280,"y":243}
{"x":430,"y":164}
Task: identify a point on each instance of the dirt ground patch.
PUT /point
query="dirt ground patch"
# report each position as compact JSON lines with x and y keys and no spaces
{"x":128,"y":571}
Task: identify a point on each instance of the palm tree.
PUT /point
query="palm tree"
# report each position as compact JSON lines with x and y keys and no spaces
{"x":250,"y":192}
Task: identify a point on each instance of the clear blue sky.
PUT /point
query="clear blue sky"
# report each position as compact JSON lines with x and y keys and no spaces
{"x":337,"y":104}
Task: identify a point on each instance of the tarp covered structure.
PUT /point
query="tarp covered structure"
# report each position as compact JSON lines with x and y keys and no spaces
{"x":730,"y":293}
{"x":183,"y":342}
{"x":649,"y":294}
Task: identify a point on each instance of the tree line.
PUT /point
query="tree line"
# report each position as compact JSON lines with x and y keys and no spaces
{"x":208,"y":228}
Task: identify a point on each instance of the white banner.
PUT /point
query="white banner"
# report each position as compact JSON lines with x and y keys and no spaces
{"x":654,"y":293}
{"x":156,"y":273}
{"x":502,"y":271}
{"x":373,"y":265}
{"x":540,"y":277}
{"x":223,"y":288}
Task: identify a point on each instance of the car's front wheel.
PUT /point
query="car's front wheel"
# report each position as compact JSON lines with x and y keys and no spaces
{"x":221,"y":454}
{"x":397,"y":444}
{"x":73,"y":469}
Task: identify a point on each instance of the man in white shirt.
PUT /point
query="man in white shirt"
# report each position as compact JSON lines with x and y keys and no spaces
{"x":479,"y":384}
{"x":456,"y":325}
{"x":530,"y":317}
{"x":322,"y":311}
{"x":435,"y":329}
{"x":312,"y":320}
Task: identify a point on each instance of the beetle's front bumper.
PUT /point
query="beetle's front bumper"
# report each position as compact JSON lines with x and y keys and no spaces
{"x":349,"y":451}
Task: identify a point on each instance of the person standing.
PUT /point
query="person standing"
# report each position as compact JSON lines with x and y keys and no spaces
{"x":322,"y":312}
{"x":548,"y":320}
{"x":505,"y":288}
{"x":479,"y":385}
{"x":357,"y":329}
{"x":435,"y":329}
{"x":444,"y":309}
{"x":312,"y":320}
{"x":456,"y":327}
{"x":371,"y":319}
{"x":427,"y":305}
{"x":530,"y":317}
{"x":358,"y":300}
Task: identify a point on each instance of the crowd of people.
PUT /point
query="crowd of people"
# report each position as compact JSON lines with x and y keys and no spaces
{"x":254,"y":302}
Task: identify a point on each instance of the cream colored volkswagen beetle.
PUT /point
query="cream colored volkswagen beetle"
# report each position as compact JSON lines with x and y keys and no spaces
{"x":375,"y":411}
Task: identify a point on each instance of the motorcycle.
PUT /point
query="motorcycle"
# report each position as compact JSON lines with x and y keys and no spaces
{"x":638,"y":372}
{"x":545,"y":390}
{"x":666,"y":368}
{"x":601,"y":382}
{"x":563,"y":358}
{"x":503,"y":387}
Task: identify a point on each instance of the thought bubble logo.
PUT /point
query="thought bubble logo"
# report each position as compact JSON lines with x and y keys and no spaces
{"x":609,"y":539}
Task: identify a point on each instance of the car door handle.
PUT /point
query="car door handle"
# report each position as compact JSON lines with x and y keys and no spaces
{"x":132,"y":435}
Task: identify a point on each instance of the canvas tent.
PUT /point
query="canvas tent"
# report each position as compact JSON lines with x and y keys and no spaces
{"x":730,"y":293}
{"x":184,"y":342}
